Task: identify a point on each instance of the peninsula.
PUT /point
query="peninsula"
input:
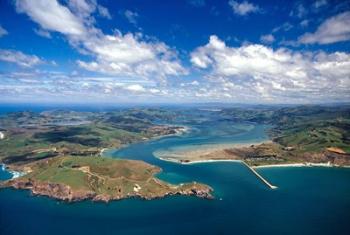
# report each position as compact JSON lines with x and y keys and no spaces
{"x":59,"y":154}
{"x":99,"y":179}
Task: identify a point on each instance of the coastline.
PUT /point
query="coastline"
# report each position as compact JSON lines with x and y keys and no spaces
{"x":15,"y":174}
{"x":199,"y":155}
{"x":305,"y":164}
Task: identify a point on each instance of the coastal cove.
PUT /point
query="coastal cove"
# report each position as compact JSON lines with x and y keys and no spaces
{"x":308,"y":200}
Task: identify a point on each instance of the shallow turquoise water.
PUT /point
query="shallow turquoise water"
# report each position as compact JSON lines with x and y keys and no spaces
{"x":308,"y":200}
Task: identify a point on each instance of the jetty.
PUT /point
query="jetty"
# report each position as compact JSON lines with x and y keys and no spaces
{"x":259,"y":176}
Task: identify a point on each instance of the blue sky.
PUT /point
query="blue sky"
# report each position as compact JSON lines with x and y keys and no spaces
{"x":175,"y":51}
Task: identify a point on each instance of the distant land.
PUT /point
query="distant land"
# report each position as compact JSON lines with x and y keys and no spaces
{"x":302,"y":135}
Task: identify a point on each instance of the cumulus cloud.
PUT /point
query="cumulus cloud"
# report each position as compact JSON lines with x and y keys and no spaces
{"x":334,"y":29}
{"x":3,"y":31}
{"x":267,"y":39}
{"x":260,"y":71}
{"x":243,"y":8}
{"x":118,"y":54}
{"x":127,"y":55}
{"x":19,"y":58}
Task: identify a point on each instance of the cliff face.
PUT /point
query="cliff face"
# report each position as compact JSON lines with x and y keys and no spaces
{"x":66,"y":193}
{"x":54,"y":190}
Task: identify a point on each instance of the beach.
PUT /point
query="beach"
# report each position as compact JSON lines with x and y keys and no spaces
{"x":203,"y":153}
{"x":306,"y":164}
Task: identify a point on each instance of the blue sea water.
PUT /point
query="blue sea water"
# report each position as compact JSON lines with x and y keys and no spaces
{"x":308,"y":200}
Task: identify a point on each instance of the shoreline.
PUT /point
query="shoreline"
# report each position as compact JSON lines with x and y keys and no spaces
{"x":201,"y":150}
{"x":15,"y":174}
{"x":305,"y":164}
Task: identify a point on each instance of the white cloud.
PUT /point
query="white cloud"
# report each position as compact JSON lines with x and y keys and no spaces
{"x":84,"y":8}
{"x":127,"y":55}
{"x":334,"y":29}
{"x":118,"y":54}
{"x":135,"y":88}
{"x":51,"y":16}
{"x":43,"y":33}
{"x":3,"y":31}
{"x":285,"y":27}
{"x":243,"y":8}
{"x":195,"y":83}
{"x":259,"y":71}
{"x":131,"y":16}
{"x":19,"y":58}
{"x":268,"y":38}
{"x":55,"y":85}
{"x":154,"y":91}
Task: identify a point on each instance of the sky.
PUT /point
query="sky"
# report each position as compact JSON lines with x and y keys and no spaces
{"x":183,"y":51}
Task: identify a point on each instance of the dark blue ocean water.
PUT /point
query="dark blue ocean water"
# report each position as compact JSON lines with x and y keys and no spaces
{"x":307,"y":201}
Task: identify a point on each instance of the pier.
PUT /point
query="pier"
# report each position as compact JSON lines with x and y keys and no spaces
{"x":259,"y":176}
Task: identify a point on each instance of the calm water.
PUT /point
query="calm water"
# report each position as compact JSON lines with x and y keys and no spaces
{"x":308,"y":200}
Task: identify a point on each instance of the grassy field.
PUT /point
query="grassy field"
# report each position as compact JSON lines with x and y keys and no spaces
{"x":315,"y":135}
